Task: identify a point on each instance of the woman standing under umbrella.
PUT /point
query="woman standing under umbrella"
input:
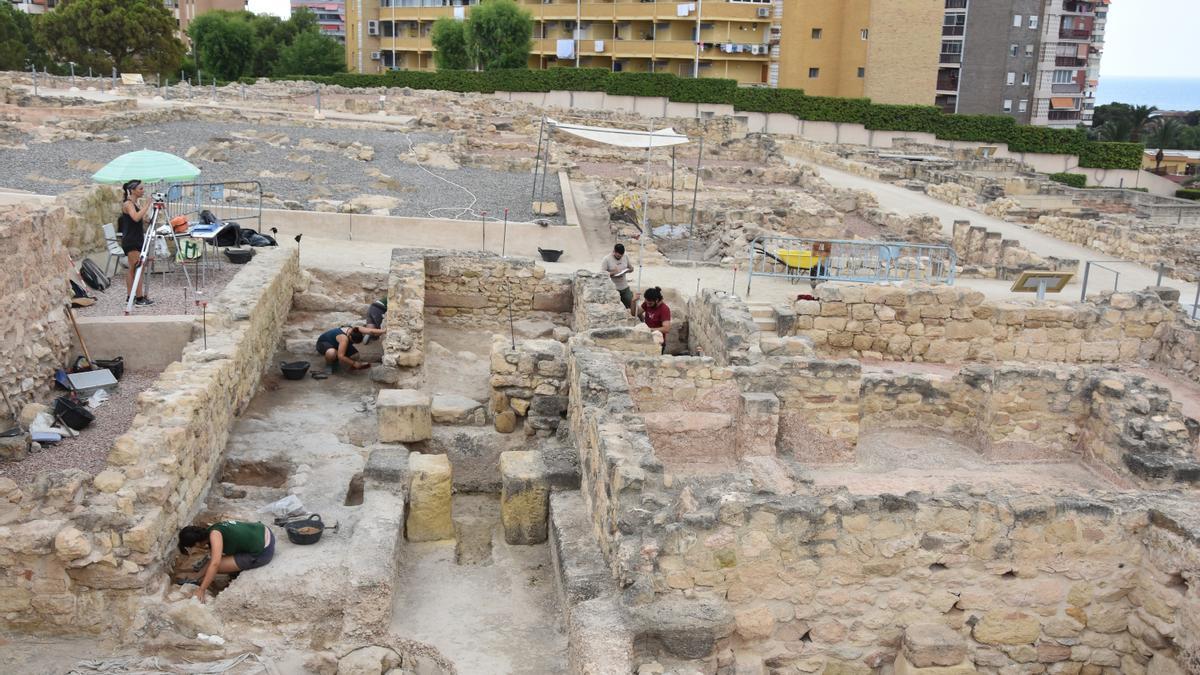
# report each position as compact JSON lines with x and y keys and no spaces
{"x":132,"y":229}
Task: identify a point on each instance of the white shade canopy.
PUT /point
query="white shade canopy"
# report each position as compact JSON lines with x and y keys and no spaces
{"x":624,"y":138}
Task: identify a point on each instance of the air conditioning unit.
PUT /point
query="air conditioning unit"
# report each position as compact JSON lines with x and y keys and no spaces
{"x":764,"y":12}
{"x":375,"y":56}
{"x":372,"y":28}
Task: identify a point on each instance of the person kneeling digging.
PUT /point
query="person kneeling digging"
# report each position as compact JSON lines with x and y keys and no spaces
{"x":337,"y":346}
{"x":233,"y":546}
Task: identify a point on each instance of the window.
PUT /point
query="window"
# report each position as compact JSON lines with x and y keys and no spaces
{"x":1015,"y":50}
{"x":864,"y":34}
{"x":1033,"y":21}
{"x":862,"y":72}
{"x":954,"y":24}
{"x":816,"y":33}
{"x":1025,"y":79}
{"x":1064,"y":76}
{"x":952,"y":47}
{"x":1007,"y":105}
{"x":1012,"y":78}
{"x":1016,"y":20}
{"x":1023,"y":105}
{"x":814,"y":73}
{"x":1028,"y":50}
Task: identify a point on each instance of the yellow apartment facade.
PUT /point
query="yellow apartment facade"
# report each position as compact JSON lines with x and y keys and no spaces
{"x":884,"y":49}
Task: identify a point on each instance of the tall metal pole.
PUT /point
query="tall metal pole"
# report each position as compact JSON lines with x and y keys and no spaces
{"x":695,"y":189}
{"x":537,"y":158}
{"x":673,"y":222}
{"x":578,"y":20}
{"x":483,"y":229}
{"x":696,"y":64}
{"x":504,"y":237}
{"x":33,"y":71}
{"x":72,"y":73}
{"x":545,"y":169}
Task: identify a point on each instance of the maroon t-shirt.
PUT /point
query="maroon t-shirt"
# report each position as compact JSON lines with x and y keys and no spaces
{"x":656,"y":316}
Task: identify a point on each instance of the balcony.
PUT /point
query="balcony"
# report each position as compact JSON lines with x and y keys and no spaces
{"x":956,"y":4}
{"x":947,"y":80}
{"x":1064,"y":115}
{"x":1070,"y":88}
{"x":1070,"y":62}
{"x":953,"y":31}
{"x":951,"y":58}
{"x":646,"y":11}
{"x":1075,"y":33}
{"x":1079,"y":7}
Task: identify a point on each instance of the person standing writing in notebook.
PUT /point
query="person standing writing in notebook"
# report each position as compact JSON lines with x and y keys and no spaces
{"x":618,"y":268}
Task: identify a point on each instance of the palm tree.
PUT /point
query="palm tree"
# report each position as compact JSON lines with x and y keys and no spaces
{"x":1139,"y":115}
{"x":1163,"y":133}
{"x":1118,"y":129}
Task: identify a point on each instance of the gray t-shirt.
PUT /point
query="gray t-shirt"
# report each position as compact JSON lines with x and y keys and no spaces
{"x":611,"y":265}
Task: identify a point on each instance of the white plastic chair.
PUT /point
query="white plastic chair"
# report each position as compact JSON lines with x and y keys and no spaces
{"x":115,"y":253}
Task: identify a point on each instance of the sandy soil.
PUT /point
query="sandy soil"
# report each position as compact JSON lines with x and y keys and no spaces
{"x":463,"y":370}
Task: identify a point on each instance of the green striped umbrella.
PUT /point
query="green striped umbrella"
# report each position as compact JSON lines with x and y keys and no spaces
{"x":148,"y":166}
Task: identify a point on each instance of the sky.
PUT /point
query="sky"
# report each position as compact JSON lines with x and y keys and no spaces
{"x":1144,"y":38}
{"x":1151,"y":38}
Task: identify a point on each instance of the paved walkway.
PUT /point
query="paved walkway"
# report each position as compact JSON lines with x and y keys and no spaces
{"x":906,"y":202}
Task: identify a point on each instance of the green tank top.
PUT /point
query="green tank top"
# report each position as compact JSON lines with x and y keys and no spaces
{"x":238,"y":537}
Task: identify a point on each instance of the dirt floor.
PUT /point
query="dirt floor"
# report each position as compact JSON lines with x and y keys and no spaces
{"x":459,"y":364}
{"x":170,"y":292}
{"x":904,"y":460}
{"x":496,"y":614}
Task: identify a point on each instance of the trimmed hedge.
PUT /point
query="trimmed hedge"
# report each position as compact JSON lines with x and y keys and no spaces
{"x":880,"y":117}
{"x":1075,"y":180}
{"x":1188,"y":193}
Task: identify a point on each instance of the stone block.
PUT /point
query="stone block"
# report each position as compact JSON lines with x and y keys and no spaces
{"x":903,"y":667}
{"x":453,"y":409}
{"x":506,"y":422}
{"x":1007,"y":628}
{"x":688,"y":629}
{"x":524,"y":497}
{"x":933,"y":644}
{"x":387,"y":468}
{"x":429,"y":498}
{"x":404,"y":415}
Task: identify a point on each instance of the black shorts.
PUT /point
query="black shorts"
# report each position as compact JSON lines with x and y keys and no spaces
{"x":248,"y":561}
{"x":131,"y":244}
{"x":375,"y":315}
{"x":323,"y":347}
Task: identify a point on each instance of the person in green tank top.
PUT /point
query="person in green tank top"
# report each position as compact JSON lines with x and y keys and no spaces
{"x":234,"y":546}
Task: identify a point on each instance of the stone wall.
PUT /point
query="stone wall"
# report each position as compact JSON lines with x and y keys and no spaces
{"x":720,"y":326}
{"x":529,"y":382}
{"x":947,"y":324}
{"x":404,"y":341}
{"x":477,"y":287}
{"x":1137,"y":240}
{"x":76,"y":550}
{"x":986,"y":254}
{"x":771,"y":575}
{"x":33,"y":297}
{"x":596,"y":303}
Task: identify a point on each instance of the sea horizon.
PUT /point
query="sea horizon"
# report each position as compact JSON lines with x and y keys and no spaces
{"x":1166,"y":93}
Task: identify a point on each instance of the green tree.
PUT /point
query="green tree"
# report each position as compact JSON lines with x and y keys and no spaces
{"x":132,"y":35}
{"x":1116,"y":129}
{"x":449,"y":37}
{"x":499,"y":35}
{"x":16,"y":38}
{"x":224,"y":43}
{"x":1163,"y":133}
{"x":1140,"y":115}
{"x":311,"y":54}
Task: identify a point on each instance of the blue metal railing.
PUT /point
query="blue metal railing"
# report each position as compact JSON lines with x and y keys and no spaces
{"x":868,"y":262}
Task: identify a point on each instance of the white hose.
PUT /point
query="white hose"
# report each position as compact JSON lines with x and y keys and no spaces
{"x":461,"y":210}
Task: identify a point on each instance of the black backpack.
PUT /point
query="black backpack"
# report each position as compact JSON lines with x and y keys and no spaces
{"x":93,"y":276}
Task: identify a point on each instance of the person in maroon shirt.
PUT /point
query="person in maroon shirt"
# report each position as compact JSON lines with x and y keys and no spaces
{"x":656,"y":314}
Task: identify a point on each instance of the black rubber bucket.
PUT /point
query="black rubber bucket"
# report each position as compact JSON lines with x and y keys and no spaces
{"x":550,"y":254}
{"x":239,"y":256}
{"x":302,"y":531}
{"x":72,"y":413}
{"x":294,"y":370}
{"x":115,"y":366}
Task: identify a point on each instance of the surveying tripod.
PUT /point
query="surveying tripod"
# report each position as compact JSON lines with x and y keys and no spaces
{"x":148,"y":244}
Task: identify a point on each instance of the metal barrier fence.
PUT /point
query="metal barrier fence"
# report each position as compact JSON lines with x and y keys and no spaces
{"x":814,"y":260}
{"x":237,"y":201}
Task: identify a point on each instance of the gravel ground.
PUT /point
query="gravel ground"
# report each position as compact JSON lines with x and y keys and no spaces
{"x":170,"y":294}
{"x":46,"y":167}
{"x":89,"y":450}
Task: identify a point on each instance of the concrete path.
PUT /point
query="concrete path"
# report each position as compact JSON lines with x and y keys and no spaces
{"x":1134,"y":276}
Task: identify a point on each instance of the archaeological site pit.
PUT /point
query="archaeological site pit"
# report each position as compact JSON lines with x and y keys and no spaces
{"x":857,"y":451}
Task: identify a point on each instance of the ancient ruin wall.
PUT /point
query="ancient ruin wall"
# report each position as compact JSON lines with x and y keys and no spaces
{"x":720,"y":326}
{"x":807,"y":580}
{"x":76,"y":550}
{"x":404,"y":342}
{"x":988,"y":255}
{"x":945,"y":324}
{"x":33,"y":296}
{"x":596,"y":303}
{"x":479,"y":288}
{"x":531,"y":381}
{"x":1144,"y":242}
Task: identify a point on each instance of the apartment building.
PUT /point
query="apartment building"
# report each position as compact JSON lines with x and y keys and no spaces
{"x":34,"y":6}
{"x":331,"y":16}
{"x":186,"y":11}
{"x":1036,"y":60}
{"x":884,"y":49}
